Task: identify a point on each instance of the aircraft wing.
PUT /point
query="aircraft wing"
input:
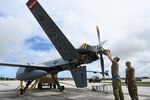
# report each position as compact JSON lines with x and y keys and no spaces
{"x":24,"y":65}
{"x":61,"y":43}
{"x":94,"y":71}
{"x":106,"y":72}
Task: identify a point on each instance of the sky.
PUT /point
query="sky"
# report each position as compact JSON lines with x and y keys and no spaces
{"x":125,"y":24}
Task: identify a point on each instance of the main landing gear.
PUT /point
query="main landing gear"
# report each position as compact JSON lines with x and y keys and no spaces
{"x":61,"y":88}
{"x":50,"y":80}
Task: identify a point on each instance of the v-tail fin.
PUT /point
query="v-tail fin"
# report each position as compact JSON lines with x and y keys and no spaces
{"x":80,"y":76}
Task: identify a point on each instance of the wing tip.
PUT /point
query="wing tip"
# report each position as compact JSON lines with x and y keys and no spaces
{"x":31,"y":3}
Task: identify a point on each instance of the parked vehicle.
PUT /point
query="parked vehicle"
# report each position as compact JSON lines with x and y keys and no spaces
{"x":94,"y":79}
{"x":138,"y":79}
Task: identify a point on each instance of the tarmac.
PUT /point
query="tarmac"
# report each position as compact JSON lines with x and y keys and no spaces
{"x":9,"y":91}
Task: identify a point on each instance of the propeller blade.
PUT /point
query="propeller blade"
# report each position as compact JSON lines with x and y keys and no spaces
{"x":102,"y":43}
{"x":99,"y":48}
{"x":102,"y":65}
{"x":98,"y":34}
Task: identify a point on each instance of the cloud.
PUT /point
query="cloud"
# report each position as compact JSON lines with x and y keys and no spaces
{"x":128,"y":47}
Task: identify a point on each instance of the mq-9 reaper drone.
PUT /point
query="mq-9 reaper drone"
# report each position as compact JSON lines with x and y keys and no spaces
{"x":72,"y":59}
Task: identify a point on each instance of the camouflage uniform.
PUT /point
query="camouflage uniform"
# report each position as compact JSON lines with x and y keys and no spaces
{"x":116,"y":82}
{"x":132,"y":88}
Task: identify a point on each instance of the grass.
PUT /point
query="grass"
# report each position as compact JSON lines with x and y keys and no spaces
{"x":143,"y":83}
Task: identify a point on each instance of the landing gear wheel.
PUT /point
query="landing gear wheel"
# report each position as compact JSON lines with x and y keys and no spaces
{"x":50,"y":85}
{"x":21,"y":92}
{"x":54,"y":86}
{"x":61,"y":88}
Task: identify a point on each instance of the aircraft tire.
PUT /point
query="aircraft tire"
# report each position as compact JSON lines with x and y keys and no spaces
{"x":62,"y":88}
{"x":54,"y":86}
{"x":50,"y":85}
{"x":21,"y":91}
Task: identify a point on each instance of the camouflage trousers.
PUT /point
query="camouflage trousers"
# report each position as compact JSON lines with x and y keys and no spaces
{"x":132,"y":88}
{"x":117,"y":89}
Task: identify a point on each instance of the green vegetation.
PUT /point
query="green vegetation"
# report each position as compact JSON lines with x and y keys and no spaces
{"x":143,"y":83}
{"x":6,"y":78}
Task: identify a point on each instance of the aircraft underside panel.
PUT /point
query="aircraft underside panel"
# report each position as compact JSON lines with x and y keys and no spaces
{"x":80,"y":76}
{"x":34,"y":74}
{"x":62,"y":44}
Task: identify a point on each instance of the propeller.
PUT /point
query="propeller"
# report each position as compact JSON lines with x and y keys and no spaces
{"x":99,"y":50}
